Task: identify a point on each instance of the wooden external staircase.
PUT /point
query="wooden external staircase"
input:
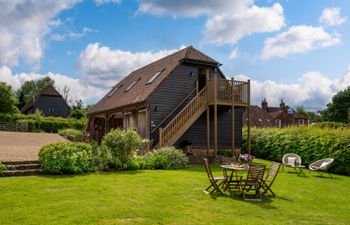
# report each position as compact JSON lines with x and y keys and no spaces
{"x":216,"y":92}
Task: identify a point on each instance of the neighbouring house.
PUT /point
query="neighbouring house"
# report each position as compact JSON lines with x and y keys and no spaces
{"x":258,"y":118}
{"x":284,"y":115}
{"x":181,"y":99}
{"x":49,"y":101}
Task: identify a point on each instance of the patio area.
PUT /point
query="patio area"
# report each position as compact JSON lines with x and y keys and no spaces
{"x":23,"y":146}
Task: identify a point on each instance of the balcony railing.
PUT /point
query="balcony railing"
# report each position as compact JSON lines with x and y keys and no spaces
{"x":229,"y":92}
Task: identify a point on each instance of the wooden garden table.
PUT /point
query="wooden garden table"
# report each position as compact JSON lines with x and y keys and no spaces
{"x":233,"y":178}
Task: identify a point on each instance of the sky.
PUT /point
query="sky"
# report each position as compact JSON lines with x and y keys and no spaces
{"x":298,"y":51}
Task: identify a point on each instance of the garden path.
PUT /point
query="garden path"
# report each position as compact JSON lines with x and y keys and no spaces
{"x":22,"y":146}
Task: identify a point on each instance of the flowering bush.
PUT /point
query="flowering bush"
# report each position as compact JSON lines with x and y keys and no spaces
{"x":122,"y":144}
{"x":67,"y":158}
{"x":245,"y":158}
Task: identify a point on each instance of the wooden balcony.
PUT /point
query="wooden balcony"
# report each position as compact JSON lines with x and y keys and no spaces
{"x":228,"y":92}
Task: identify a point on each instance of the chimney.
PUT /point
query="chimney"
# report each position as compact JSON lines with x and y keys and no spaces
{"x":282,"y":105}
{"x":264,"y":105}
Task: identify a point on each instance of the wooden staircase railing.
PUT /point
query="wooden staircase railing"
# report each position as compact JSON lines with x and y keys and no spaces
{"x":184,"y":119}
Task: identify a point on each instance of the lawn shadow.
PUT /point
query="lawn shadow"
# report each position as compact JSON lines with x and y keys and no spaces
{"x":103,"y":173}
{"x":265,"y":203}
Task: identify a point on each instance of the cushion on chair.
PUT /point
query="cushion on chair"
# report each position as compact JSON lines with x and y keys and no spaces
{"x":324,"y":164}
{"x":291,"y":161}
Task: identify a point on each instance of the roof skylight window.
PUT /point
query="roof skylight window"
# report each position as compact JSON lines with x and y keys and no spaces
{"x":114,"y":90}
{"x":155,"y":76}
{"x":132,"y":84}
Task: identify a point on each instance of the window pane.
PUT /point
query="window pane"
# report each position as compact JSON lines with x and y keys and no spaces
{"x":154,"y":76}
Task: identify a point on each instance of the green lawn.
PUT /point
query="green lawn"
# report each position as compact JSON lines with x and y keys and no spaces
{"x":168,"y":197}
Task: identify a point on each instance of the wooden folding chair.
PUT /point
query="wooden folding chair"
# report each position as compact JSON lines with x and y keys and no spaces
{"x":253,"y":181}
{"x":213,"y":180}
{"x":270,"y":178}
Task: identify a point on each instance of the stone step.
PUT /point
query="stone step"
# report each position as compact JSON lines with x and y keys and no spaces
{"x":23,"y":166}
{"x":7,"y":173}
{"x":20,"y":162}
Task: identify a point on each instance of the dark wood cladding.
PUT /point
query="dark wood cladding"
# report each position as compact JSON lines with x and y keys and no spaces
{"x":198,"y":131}
{"x":179,"y":84}
{"x":43,"y":103}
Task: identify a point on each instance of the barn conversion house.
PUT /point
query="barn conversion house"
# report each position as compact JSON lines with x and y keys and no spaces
{"x":181,"y":98}
{"x":49,"y":102}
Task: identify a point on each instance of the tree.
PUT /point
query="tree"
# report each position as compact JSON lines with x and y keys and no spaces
{"x":31,"y":88}
{"x":64,"y":92}
{"x":300,"y":110}
{"x":313,"y":117}
{"x":88,"y":108}
{"x":338,"y":110}
{"x":8,"y":99}
{"x":77,"y":111}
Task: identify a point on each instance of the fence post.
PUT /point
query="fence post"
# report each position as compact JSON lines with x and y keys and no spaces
{"x":161,"y":137}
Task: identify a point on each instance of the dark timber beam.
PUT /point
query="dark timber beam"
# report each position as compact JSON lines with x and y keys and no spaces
{"x":215,"y":118}
{"x":249,"y":141}
{"x":233,"y":114}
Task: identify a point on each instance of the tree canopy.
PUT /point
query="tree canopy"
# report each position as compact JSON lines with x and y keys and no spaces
{"x":312,"y":116}
{"x":339,"y":109}
{"x":31,"y":88}
{"x":77,"y":111}
{"x":8,"y":99}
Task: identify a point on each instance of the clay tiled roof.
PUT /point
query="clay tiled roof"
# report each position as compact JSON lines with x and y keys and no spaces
{"x":276,"y":114}
{"x":259,"y":117}
{"x":119,"y":96}
{"x":48,"y":91}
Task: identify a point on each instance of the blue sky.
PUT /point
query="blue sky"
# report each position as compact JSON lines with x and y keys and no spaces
{"x":295,"y":50}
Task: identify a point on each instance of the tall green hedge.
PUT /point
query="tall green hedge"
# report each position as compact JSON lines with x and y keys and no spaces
{"x":311,"y":143}
{"x":46,"y":124}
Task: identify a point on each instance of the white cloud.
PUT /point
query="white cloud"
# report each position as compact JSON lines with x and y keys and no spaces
{"x":234,"y":53}
{"x":230,"y":28}
{"x":103,"y":67}
{"x":228,"y":21}
{"x":185,"y":8}
{"x":24,"y":24}
{"x":71,"y":35}
{"x":101,"y":2}
{"x":332,"y":17}
{"x":313,"y":90}
{"x":78,"y":89}
{"x":298,"y":39}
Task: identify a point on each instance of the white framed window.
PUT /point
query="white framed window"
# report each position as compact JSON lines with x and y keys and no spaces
{"x":278,"y":123}
{"x":154,"y":76}
{"x":51,"y":109}
{"x":114,"y":90}
{"x":301,"y":122}
{"x":132,"y":84}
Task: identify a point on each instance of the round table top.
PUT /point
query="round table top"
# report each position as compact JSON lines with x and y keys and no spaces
{"x":229,"y":167}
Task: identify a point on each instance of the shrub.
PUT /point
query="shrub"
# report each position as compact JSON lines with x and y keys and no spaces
{"x":333,"y":125}
{"x":2,"y":167}
{"x":67,"y":158}
{"x":309,"y":142}
{"x":175,"y":158}
{"x":102,"y":156}
{"x":46,"y":124}
{"x":141,"y":161}
{"x":155,"y":161}
{"x":132,"y":165}
{"x":118,"y":164}
{"x":225,"y":153}
{"x":71,"y":132}
{"x":122,"y":144}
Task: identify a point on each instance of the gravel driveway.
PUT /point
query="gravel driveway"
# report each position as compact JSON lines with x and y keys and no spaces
{"x":21,"y":146}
